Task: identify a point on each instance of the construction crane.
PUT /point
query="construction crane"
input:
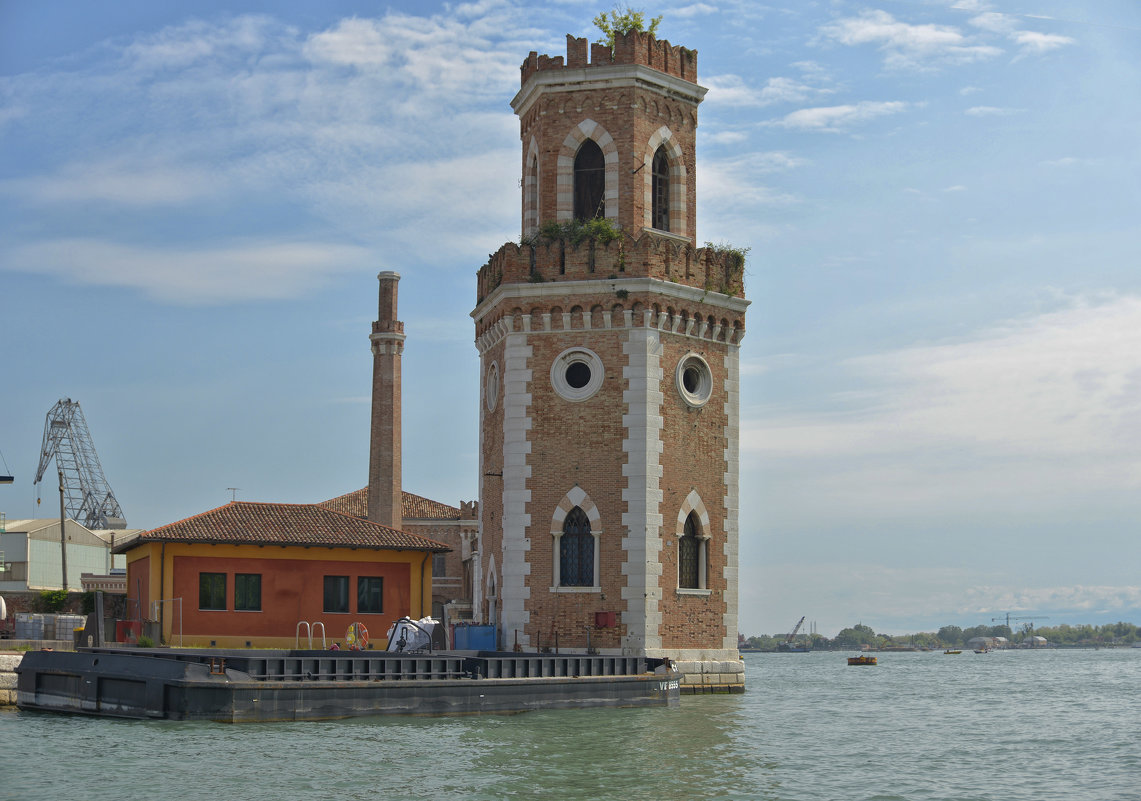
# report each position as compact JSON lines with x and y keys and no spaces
{"x":1009,"y":617}
{"x":789,"y":643}
{"x":88,"y":498}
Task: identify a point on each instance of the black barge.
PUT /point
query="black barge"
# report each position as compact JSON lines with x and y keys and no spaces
{"x":237,"y":686}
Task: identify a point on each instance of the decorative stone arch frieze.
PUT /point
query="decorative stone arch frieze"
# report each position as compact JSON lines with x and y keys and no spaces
{"x":663,"y":137}
{"x":694,"y":504}
{"x":564,"y":181}
{"x":575,"y":497}
{"x":531,"y":184}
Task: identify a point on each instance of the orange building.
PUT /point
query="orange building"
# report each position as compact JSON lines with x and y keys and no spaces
{"x":249,"y":574}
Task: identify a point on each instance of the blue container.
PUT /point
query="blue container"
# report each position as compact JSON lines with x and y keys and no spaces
{"x":469,"y":637}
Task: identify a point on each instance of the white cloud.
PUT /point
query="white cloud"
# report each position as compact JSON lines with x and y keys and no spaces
{"x":990,"y":111}
{"x":726,"y":137}
{"x":197,"y":43}
{"x":834,"y":119}
{"x":121,"y":181}
{"x":1029,"y":42}
{"x":1080,"y":599}
{"x":694,"y":10}
{"x":737,"y":182}
{"x":219,"y":275}
{"x":353,"y":41}
{"x":250,"y":124}
{"x":907,"y":46}
{"x":955,"y":188}
{"x":731,"y":90}
{"x":994,"y":22}
{"x":1034,"y":43}
{"x":1046,"y":408}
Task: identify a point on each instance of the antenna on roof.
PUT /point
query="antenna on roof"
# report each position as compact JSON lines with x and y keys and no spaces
{"x":233,"y":492}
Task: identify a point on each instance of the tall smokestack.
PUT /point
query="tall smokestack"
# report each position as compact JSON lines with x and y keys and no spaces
{"x":384,"y":490}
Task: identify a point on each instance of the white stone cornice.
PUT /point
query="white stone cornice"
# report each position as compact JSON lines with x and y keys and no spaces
{"x":617,"y":76}
{"x":550,"y":290}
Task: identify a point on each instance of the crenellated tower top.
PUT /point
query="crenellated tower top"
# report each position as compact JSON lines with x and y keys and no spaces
{"x":611,"y":136}
{"x":635,"y":47}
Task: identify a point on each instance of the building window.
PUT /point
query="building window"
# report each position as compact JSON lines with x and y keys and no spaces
{"x":693,"y":555}
{"x":439,"y":565}
{"x":211,"y":590}
{"x":576,"y":551}
{"x":661,"y":190}
{"x":694,"y":380}
{"x":336,"y":593}
{"x":247,"y":592}
{"x":491,"y":390}
{"x":589,"y":182}
{"x":577,"y":374}
{"x":370,"y":594}
{"x":689,"y":556}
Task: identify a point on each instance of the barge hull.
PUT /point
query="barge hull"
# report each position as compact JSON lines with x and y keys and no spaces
{"x":238,"y":687}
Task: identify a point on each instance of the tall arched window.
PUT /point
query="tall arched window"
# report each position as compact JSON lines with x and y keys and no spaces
{"x":531,"y":221}
{"x":689,"y":556}
{"x":589,"y":182}
{"x":661,"y":190}
{"x":576,"y":551}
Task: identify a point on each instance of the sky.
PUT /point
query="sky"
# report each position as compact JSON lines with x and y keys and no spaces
{"x":941,"y":394}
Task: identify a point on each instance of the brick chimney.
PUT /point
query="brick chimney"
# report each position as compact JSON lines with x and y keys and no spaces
{"x":384,"y":490}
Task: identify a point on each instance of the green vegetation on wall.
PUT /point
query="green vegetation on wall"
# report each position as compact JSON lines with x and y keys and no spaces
{"x":621,"y":21}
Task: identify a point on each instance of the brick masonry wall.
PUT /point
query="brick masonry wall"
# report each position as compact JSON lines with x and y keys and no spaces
{"x":581,"y":444}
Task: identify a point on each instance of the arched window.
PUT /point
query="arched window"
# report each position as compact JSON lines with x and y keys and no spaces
{"x":589,"y":182}
{"x":576,"y":551}
{"x":661,"y":190}
{"x":531,"y":213}
{"x":689,"y":556}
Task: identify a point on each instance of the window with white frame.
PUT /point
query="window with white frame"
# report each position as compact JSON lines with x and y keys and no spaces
{"x":576,"y":551}
{"x":692,"y":555}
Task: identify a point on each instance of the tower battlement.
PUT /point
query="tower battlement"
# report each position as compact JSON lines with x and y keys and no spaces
{"x":648,"y":256}
{"x":636,"y":47}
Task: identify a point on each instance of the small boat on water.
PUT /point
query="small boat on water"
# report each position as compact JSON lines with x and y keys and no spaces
{"x":861,"y":660}
{"x":981,"y":650}
{"x":949,"y":651}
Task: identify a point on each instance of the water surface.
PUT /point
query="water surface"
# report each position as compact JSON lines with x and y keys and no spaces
{"x":1005,"y":725}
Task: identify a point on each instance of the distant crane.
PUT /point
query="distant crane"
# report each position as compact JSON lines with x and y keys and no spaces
{"x":789,"y":643}
{"x":88,"y":498}
{"x":1009,"y":617}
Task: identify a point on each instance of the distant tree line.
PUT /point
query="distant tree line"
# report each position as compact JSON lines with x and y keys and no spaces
{"x":860,"y":635}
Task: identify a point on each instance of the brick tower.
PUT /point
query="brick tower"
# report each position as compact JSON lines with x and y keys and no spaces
{"x":384,"y":490}
{"x":609,"y":374}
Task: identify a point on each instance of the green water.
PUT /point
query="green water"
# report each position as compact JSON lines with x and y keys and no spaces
{"x":1013,"y":725}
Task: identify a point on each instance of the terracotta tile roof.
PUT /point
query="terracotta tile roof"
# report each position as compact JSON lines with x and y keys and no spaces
{"x":245,"y":523}
{"x":412,"y":507}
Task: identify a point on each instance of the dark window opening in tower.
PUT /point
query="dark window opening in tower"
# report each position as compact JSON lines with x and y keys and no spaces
{"x":578,"y":374}
{"x":688,"y":550}
{"x":589,"y":182}
{"x":691,"y":379}
{"x":533,"y":195}
{"x":576,"y":551}
{"x":661,"y":190}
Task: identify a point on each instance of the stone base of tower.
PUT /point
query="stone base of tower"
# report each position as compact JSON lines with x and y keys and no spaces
{"x":709,"y":671}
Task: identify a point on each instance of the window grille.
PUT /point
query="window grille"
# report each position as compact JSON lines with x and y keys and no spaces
{"x":589,"y":182}
{"x":661,"y":190}
{"x":576,"y":551}
{"x":689,"y":549}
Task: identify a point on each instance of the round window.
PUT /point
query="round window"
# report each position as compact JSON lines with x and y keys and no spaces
{"x":577,"y":374}
{"x":694,"y":380}
{"x":491,"y":387}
